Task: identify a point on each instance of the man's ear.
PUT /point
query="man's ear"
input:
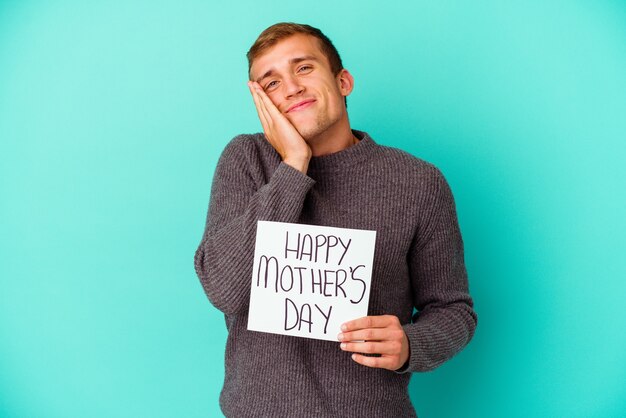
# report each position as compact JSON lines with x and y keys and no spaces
{"x":345,"y":82}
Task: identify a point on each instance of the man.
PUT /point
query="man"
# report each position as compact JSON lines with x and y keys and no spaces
{"x":310,"y":167}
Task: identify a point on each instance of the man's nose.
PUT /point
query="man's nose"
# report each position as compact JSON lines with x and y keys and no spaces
{"x":292,"y":86}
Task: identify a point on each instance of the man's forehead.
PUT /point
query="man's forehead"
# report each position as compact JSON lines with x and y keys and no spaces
{"x":287,"y":51}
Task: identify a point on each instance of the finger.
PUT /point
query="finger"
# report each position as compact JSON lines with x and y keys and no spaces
{"x":371,"y":334}
{"x":374,"y":321}
{"x":378,"y":362}
{"x":370,"y":347}
{"x":263,"y":104}
{"x":269,"y":105}
{"x":260,"y":107}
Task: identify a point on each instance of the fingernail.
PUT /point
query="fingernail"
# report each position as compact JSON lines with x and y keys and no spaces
{"x":340,"y":337}
{"x":344,"y":327}
{"x":342,"y":345}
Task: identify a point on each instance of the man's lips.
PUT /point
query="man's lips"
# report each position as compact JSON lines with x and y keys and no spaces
{"x":300,"y":105}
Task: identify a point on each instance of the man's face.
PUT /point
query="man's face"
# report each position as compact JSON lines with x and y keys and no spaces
{"x":296,"y":76}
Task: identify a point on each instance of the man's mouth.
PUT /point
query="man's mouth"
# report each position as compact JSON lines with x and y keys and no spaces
{"x":299,"y":106}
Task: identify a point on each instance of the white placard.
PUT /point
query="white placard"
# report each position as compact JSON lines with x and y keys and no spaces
{"x":307,"y":280}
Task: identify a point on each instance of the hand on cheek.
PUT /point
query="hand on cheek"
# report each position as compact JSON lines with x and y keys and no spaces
{"x":279,"y":131}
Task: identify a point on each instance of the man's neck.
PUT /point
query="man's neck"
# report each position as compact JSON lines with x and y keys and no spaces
{"x":333,"y":140}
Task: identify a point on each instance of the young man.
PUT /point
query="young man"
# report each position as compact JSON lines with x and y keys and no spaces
{"x":310,"y":167}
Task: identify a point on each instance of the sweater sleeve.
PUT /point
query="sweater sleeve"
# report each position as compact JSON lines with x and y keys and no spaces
{"x":445,"y":319}
{"x":224,"y":258}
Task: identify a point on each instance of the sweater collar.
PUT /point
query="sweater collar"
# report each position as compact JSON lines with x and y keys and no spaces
{"x":351,"y":155}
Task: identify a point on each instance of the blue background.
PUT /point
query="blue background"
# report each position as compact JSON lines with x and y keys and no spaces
{"x":113,"y":115}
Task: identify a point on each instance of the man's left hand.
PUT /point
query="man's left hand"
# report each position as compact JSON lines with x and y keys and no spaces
{"x":382,"y":335}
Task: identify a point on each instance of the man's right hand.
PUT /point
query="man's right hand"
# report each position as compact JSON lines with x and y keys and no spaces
{"x":280,"y":133}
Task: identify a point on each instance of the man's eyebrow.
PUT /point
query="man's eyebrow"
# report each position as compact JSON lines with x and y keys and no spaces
{"x":296,"y":60}
{"x":304,"y":58}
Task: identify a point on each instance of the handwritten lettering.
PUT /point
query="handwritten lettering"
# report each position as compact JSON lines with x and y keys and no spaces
{"x":303,"y":248}
{"x":295,"y":317}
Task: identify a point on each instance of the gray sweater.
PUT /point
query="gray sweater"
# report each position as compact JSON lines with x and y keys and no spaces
{"x":418,"y":262}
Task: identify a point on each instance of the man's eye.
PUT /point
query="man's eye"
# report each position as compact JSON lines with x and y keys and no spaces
{"x":305,"y":67}
{"x":271,"y":84}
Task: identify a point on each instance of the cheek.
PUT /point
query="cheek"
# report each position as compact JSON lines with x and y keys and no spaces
{"x":334,"y":99}
{"x":332,"y":92}
{"x":274,"y":97}
{"x":272,"y":94}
